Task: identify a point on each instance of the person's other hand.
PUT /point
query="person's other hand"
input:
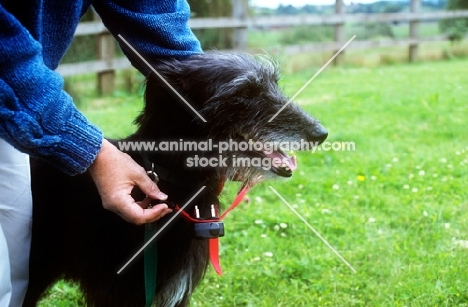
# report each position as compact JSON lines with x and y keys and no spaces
{"x":115,"y":175}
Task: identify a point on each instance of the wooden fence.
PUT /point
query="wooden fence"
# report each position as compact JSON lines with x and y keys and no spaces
{"x":106,"y":64}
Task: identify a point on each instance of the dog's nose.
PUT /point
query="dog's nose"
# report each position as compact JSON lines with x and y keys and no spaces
{"x":317,"y":134}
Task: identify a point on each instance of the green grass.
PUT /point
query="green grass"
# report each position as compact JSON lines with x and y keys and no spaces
{"x":396,"y":226}
{"x":396,"y":208}
{"x":267,"y":39}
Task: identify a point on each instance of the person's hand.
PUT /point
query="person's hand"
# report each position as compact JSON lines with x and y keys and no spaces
{"x":115,"y":175}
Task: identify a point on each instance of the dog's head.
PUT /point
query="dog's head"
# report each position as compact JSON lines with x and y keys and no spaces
{"x":239,"y":98}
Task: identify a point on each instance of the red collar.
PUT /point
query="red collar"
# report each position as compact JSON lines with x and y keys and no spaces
{"x":214,"y":243}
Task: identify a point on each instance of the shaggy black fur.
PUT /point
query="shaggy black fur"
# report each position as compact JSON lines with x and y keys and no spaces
{"x":76,"y":239}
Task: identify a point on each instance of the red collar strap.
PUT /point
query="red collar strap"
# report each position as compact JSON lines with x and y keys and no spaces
{"x":214,"y":242}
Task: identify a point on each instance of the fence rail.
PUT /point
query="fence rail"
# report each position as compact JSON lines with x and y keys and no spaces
{"x":96,"y":27}
{"x":107,"y":64}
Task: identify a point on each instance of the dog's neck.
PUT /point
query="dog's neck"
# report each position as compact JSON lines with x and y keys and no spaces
{"x":168,"y":170}
{"x":179,"y":181}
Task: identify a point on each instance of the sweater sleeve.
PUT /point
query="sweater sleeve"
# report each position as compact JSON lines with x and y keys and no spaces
{"x":36,"y":115}
{"x":155,"y":28}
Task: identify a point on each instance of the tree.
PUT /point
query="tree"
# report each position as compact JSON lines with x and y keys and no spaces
{"x":213,"y":38}
{"x":458,"y":27}
{"x":286,"y":10}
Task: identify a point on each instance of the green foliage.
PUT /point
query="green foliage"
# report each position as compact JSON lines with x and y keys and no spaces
{"x":213,"y":38}
{"x":396,"y":208}
{"x":356,"y":7}
{"x":392,"y":7}
{"x":301,"y":34}
{"x":430,"y":4}
{"x":287,"y":10}
{"x":379,"y":7}
{"x":83,"y":48}
{"x":457,"y":5}
{"x":380,"y":29}
{"x":456,"y":28}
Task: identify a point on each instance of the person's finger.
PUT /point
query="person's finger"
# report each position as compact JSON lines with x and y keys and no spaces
{"x":150,"y":188}
{"x":156,"y":213}
{"x":145,"y":202}
{"x":133,"y":213}
{"x":115,"y":175}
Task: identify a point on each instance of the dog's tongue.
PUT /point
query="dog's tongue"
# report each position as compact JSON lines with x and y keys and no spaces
{"x":289,"y":162}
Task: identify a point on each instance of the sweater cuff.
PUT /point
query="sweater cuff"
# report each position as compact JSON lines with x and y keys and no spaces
{"x":60,"y":135}
{"x":79,"y":146}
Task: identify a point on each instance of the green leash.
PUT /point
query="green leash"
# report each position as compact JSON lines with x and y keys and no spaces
{"x":150,"y":252}
{"x":150,"y":263}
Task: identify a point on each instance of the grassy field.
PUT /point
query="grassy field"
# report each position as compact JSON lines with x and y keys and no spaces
{"x":265,"y":39}
{"x":396,"y":208}
{"x":273,"y":41}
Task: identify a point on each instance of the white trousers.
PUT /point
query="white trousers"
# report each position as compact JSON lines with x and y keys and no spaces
{"x":15,"y":225}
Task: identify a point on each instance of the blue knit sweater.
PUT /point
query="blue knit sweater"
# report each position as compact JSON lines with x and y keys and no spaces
{"x":36,"y":115}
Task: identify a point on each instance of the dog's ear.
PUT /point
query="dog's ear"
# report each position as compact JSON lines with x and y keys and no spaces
{"x":154,"y":98}
{"x":163,"y":97}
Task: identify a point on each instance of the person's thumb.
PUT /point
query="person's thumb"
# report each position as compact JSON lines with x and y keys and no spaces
{"x":150,"y":188}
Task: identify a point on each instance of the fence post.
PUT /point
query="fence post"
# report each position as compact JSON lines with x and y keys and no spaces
{"x":239,"y":11}
{"x":339,"y":31}
{"x":413,"y":31}
{"x":105,"y":49}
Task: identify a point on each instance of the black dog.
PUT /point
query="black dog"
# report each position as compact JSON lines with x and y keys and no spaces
{"x":74,"y":238}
